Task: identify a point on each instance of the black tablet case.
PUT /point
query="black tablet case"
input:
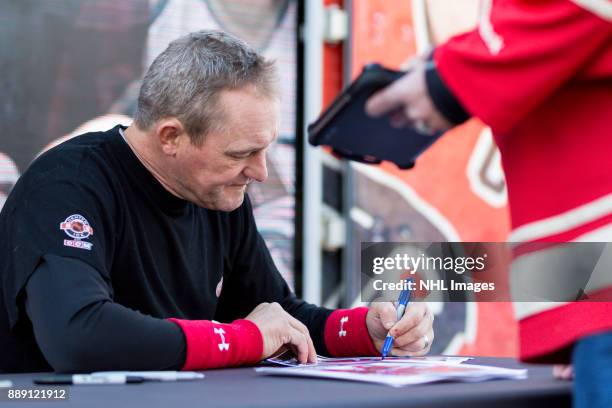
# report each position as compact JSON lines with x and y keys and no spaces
{"x":352,"y":134}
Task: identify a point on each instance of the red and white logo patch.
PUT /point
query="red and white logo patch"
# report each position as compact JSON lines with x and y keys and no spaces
{"x":77,"y":227}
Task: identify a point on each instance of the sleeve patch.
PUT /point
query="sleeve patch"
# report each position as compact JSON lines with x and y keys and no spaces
{"x":78,"y":228}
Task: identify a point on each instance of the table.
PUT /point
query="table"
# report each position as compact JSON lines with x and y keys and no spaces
{"x":242,"y":387}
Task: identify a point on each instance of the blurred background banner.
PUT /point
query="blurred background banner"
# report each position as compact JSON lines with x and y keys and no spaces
{"x":74,"y":66}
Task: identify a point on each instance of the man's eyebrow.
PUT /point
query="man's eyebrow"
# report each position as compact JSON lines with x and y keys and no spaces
{"x":244,"y":150}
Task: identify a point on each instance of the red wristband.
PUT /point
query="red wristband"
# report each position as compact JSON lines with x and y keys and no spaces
{"x":213,"y":345}
{"x":346,"y":333}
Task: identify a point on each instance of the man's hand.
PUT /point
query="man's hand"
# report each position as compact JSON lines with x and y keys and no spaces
{"x":281,"y":330}
{"x":407,"y":101}
{"x":413,"y":334}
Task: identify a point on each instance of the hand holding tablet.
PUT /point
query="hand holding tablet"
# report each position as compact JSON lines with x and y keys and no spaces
{"x":353,"y":134}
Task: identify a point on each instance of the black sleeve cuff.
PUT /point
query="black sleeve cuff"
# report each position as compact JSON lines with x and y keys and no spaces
{"x":442,"y":97}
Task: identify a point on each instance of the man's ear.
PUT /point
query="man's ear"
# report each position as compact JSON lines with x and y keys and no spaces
{"x":170,"y":133}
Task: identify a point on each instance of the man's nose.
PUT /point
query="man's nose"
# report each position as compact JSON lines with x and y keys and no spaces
{"x":257,"y":167}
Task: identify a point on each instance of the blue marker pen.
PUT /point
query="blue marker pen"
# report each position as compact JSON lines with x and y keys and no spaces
{"x":403,"y":300}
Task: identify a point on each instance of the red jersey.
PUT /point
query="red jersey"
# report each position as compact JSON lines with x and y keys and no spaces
{"x":539,"y":73}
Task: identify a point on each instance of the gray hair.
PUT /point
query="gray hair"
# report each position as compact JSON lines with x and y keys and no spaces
{"x":186,"y":79}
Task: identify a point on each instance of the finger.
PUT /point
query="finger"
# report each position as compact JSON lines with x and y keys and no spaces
{"x":312,"y":352}
{"x":424,"y":110}
{"x":386,"y":313}
{"x":409,"y":63}
{"x":415,"y":313}
{"x":298,"y":340}
{"x":293,"y":339}
{"x":438,"y":122}
{"x":301,"y":327}
{"x":390,"y":98}
{"x":300,"y":333}
{"x":294,"y":350}
{"x":411,"y":113}
{"x":419,"y":117}
{"x":419,"y":347}
{"x":414,"y":335}
{"x":398,"y":352}
{"x":413,"y":61}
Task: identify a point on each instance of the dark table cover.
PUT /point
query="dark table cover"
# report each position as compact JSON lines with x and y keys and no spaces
{"x":243,"y":387}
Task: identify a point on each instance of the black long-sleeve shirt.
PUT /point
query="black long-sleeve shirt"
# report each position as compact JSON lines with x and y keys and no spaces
{"x":103,"y":254}
{"x":79,"y":328}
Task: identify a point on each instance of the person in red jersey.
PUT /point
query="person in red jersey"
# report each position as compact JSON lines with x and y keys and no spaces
{"x":539,"y":73}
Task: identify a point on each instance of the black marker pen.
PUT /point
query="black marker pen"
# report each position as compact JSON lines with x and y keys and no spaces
{"x":86,"y":379}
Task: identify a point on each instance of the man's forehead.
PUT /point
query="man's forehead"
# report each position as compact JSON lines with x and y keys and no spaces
{"x":249,"y":119}
{"x":233,"y":101}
